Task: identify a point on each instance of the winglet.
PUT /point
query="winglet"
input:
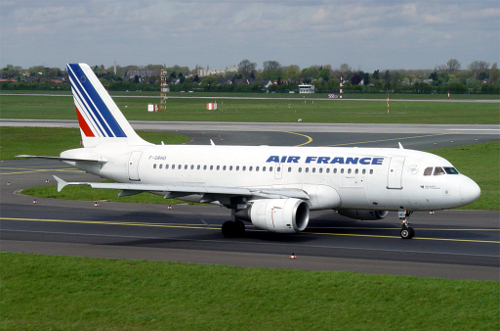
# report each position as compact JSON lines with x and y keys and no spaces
{"x":400,"y":146}
{"x":60,"y":183}
{"x":212,"y":142}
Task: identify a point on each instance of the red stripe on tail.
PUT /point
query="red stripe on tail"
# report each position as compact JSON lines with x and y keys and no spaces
{"x":83,"y":124}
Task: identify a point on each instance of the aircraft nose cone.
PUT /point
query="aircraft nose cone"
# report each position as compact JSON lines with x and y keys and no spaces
{"x":469,"y":191}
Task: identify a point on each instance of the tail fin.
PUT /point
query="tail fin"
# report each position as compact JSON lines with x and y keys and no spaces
{"x":100,"y":119}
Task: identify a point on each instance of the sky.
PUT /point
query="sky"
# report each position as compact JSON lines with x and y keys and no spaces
{"x":367,"y":35}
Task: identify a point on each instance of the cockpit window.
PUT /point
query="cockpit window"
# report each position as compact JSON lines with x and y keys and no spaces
{"x":451,"y":171}
{"x":428,"y":171}
{"x":438,"y":171}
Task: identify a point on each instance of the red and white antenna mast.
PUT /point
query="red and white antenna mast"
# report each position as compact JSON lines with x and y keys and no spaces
{"x":341,"y":81}
{"x":163,"y":90}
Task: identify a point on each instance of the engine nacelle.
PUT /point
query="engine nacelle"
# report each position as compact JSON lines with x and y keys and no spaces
{"x":360,"y":214}
{"x":277,"y":215}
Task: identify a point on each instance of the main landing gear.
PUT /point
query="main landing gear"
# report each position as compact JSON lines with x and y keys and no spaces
{"x":233,"y":229}
{"x":406,"y":231}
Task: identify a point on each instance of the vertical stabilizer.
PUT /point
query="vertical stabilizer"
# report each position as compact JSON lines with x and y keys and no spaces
{"x":98,"y":115}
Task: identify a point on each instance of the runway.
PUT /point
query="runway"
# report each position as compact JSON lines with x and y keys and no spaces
{"x":449,"y":244}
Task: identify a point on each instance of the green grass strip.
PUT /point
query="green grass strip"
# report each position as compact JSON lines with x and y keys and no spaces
{"x":73,"y":293}
{"x":270,"y":110}
{"x":52,"y":141}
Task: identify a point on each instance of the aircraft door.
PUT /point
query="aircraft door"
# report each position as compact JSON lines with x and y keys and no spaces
{"x":277,"y":171}
{"x":133,"y":166}
{"x":394,"y":177}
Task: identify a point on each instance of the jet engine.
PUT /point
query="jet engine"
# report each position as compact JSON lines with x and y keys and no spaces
{"x":367,"y":215}
{"x":277,"y":215}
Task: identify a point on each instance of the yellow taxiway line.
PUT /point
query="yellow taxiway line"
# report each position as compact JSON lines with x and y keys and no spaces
{"x":211,"y":227}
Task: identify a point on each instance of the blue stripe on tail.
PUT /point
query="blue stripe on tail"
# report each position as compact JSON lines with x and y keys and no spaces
{"x":100,"y":111}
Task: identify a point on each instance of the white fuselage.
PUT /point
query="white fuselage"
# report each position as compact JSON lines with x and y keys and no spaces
{"x":334,"y":178}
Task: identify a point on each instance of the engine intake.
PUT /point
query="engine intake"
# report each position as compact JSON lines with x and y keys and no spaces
{"x":360,"y":214}
{"x":277,"y":215}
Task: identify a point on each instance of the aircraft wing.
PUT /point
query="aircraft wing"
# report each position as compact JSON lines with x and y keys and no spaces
{"x":175,"y":191}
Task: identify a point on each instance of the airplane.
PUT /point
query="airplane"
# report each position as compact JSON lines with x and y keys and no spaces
{"x":273,"y":188}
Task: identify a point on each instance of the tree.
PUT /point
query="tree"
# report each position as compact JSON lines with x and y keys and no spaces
{"x":479,"y":69}
{"x":292,"y":73}
{"x":494,"y":74}
{"x":356,"y":79}
{"x":453,"y":65}
{"x":245,"y":68}
{"x":324,"y":74}
{"x":387,"y":76}
{"x":209,"y":82}
{"x":376,"y":74}
{"x":479,"y":66}
{"x":344,"y":68}
{"x":272,"y":70}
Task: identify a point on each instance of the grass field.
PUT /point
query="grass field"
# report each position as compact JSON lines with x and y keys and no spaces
{"x":274,"y":110}
{"x":67,"y":293}
{"x":42,"y":141}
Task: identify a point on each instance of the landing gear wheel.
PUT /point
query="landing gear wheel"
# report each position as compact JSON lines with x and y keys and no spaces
{"x":228,"y":229}
{"x":234,"y":229}
{"x":407,"y":233}
{"x":240,"y":228}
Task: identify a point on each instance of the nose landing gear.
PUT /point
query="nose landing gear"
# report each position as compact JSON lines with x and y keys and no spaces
{"x":406,"y":232}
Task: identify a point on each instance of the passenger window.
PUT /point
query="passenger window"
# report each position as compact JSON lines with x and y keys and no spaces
{"x":205,"y":167}
{"x":198,"y":167}
{"x":356,"y":171}
{"x":328,"y":170}
{"x":244,"y":168}
{"x":166,"y":166}
{"x":270,"y":168}
{"x":320,"y":170}
{"x":211,"y":167}
{"x":218,"y":167}
{"x":300,"y":169}
{"x":342,"y":170}
{"x":250,"y":168}
{"x":185,"y":167}
{"x":237,"y":168}
{"x":192,"y":166}
{"x":371,"y":171}
{"x":289,"y":169}
{"x":230,"y":168}
{"x":335,"y":170}
{"x":224,"y":168}
{"x":438,"y":171}
{"x":307,"y":169}
{"x":349,"y":171}
{"x":173,"y":166}
{"x":364,"y":171}
{"x":428,"y":171}
{"x":257,"y":168}
{"x":154,"y":166}
{"x":313,"y":169}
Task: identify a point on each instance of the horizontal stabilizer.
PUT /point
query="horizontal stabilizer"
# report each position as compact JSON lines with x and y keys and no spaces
{"x":75,"y":159}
